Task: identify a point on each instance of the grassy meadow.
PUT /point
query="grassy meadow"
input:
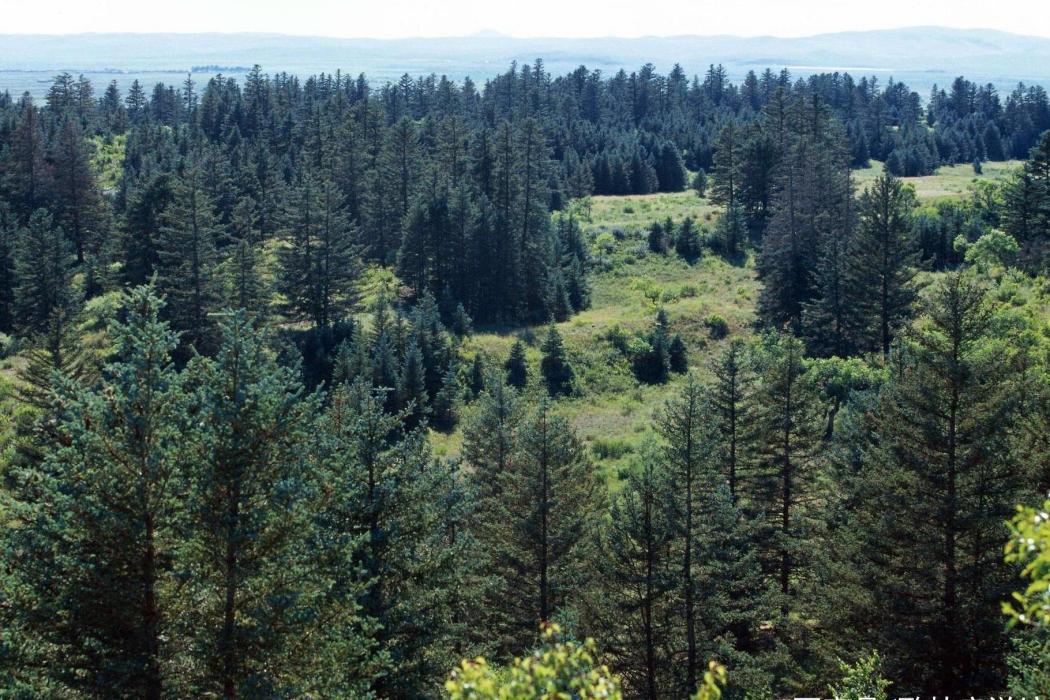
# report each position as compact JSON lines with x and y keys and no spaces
{"x":612,"y":412}
{"x":950,"y":181}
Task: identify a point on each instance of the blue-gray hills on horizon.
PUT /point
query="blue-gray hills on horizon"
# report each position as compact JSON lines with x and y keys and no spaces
{"x":919,"y":56}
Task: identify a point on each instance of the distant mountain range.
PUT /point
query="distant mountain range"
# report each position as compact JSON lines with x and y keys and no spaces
{"x":920,"y":56}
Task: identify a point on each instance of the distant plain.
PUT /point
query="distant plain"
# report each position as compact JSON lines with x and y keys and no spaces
{"x":918,"y":56}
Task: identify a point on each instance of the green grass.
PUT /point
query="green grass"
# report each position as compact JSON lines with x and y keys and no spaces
{"x":636,"y":212}
{"x":613,"y":412}
{"x":950,"y":181}
{"x":108,"y":161}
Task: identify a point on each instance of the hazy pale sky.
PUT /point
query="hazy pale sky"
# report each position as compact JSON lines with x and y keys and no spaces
{"x":531,"y":18}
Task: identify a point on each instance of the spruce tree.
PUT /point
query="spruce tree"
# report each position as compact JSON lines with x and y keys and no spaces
{"x":657,"y":239}
{"x":940,"y":453}
{"x":737,"y":602}
{"x":23,"y":173}
{"x":95,"y":584}
{"x":699,"y":183}
{"x":670,"y":169}
{"x":883,"y":258}
{"x":146,"y":201}
{"x":782,"y":489}
{"x":1026,"y":214}
{"x":539,"y":528}
{"x":516,"y":367}
{"x":687,"y":240}
{"x":489,"y":434}
{"x":688,"y":446}
{"x":759,"y":159}
{"x":186,"y":274}
{"x":678,"y":354}
{"x":401,"y":507}
{"x":8,"y":280}
{"x":411,"y":387}
{"x":427,"y":229}
{"x":537,"y":244}
{"x":638,"y":621}
{"x":245,"y":283}
{"x":476,"y":380}
{"x":50,"y":321}
{"x":557,"y":373}
{"x":58,"y":349}
{"x":445,"y":407}
{"x":320,"y":265}
{"x":834,"y":322}
{"x":730,"y":233}
{"x":43,"y":273}
{"x":652,"y":364}
{"x":732,"y":403}
{"x":783,"y":480}
{"x":725,"y":180}
{"x":808,"y":208}
{"x":77,"y":200}
{"x":252,"y":570}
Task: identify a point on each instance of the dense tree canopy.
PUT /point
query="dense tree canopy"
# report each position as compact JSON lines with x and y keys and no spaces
{"x":299,"y":400}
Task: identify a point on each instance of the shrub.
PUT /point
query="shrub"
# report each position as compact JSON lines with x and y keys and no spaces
{"x":994,"y":249}
{"x":1029,"y":548}
{"x":618,"y":338}
{"x":8,"y":345}
{"x":558,"y":669}
{"x":862,"y":679}
{"x":678,"y":355}
{"x":717,"y":326}
{"x":688,"y":291}
{"x":610,"y":449}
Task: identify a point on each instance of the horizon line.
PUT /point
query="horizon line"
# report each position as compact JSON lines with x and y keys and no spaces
{"x":496,"y":34}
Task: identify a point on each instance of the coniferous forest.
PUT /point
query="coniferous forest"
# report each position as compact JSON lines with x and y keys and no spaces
{"x":319,"y":388}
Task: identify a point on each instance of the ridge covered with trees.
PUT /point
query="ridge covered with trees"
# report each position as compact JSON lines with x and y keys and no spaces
{"x":238,"y":319}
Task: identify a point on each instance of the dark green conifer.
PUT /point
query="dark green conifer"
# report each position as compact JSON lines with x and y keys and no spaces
{"x":884,"y":259}
{"x":638,"y":621}
{"x":939,"y":452}
{"x":557,"y":373}
{"x":321,"y":263}
{"x":476,"y":381}
{"x":250,"y":563}
{"x":94,"y":586}
{"x":539,"y":529}
{"x":186,"y":274}
{"x":412,"y":555}
{"x":43,"y":274}
{"x":688,"y":446}
{"x":516,"y":367}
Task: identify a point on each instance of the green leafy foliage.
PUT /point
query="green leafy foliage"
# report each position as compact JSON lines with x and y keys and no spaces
{"x":557,"y":669}
{"x":1029,"y":546}
{"x":862,"y":679}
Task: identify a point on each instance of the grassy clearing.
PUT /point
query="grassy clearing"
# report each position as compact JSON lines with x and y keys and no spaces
{"x":950,"y":181}
{"x":638,"y":211}
{"x":613,"y":413}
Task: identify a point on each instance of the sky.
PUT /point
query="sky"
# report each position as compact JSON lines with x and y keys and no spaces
{"x":533,"y":18}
